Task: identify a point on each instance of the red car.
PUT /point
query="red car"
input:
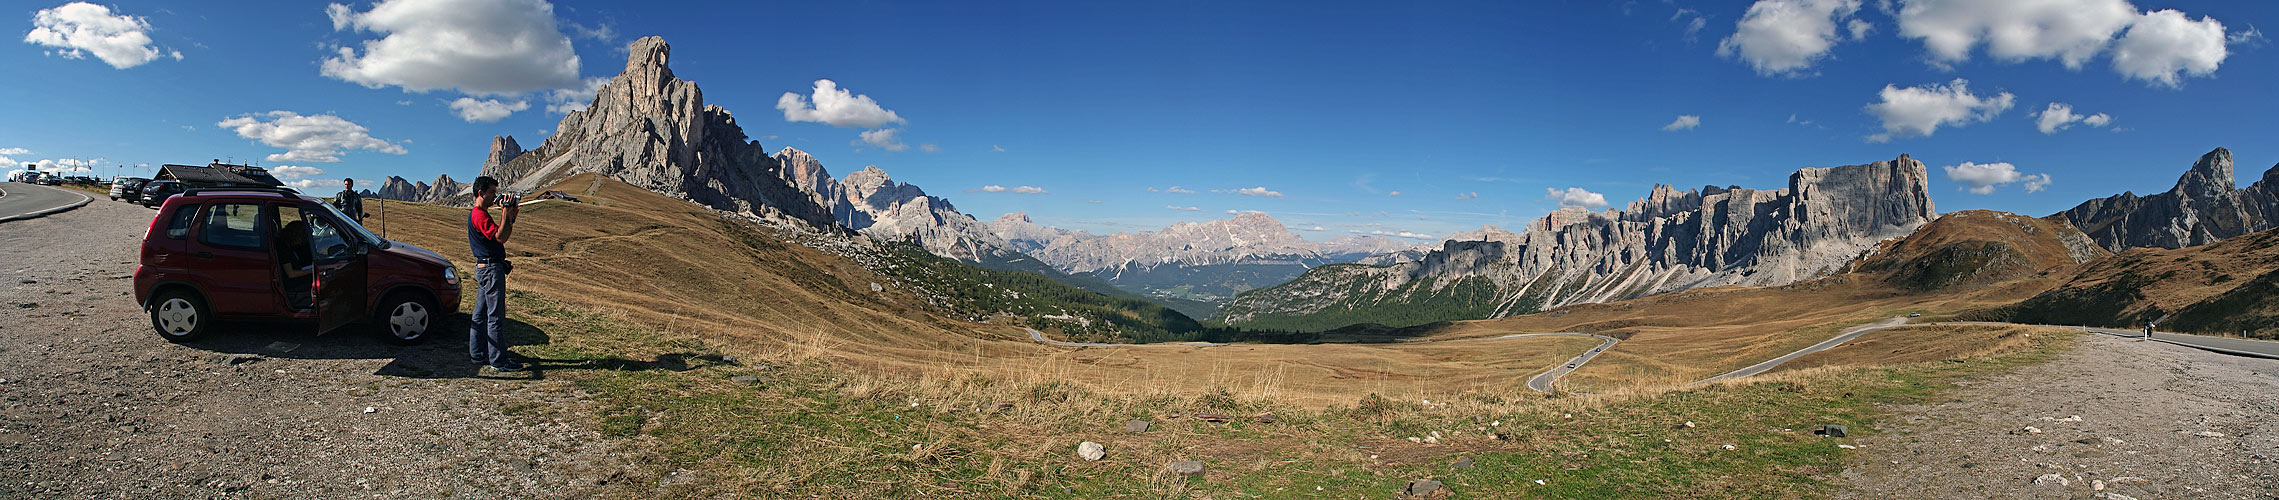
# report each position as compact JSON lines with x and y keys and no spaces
{"x":272,"y":253}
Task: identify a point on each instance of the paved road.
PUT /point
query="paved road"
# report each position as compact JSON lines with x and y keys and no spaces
{"x":1540,"y":382}
{"x":1040,"y":337}
{"x":1847,"y":336}
{"x":24,"y":201}
{"x":2226,"y":345}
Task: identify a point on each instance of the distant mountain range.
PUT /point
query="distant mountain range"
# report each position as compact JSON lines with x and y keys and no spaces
{"x":1669,"y":241}
{"x":2203,"y":208}
{"x":1204,"y":261}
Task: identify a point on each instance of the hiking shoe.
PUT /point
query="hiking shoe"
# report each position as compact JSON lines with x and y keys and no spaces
{"x":508,"y":365}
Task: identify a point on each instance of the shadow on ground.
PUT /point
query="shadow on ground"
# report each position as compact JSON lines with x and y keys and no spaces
{"x":442,"y":355}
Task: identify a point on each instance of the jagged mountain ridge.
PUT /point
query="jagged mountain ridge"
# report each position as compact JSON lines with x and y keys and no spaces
{"x":653,"y":130}
{"x":870,"y":202}
{"x":1668,"y":241}
{"x":2203,"y":208}
{"x":396,"y":188}
{"x":1207,"y":261}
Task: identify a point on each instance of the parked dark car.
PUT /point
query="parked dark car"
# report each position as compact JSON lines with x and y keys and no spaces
{"x":154,"y":193}
{"x":127,"y":188}
{"x":271,"y":253}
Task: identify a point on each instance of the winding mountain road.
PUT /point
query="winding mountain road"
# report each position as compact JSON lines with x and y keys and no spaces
{"x":20,"y":201}
{"x":2225,"y":345}
{"x":1539,"y":383}
{"x":1840,"y":339}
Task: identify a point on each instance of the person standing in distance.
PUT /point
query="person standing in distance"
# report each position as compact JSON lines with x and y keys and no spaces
{"x":349,"y":203}
{"x":486,"y":344}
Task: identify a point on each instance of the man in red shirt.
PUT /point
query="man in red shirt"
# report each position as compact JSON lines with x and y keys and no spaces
{"x":486,"y":344}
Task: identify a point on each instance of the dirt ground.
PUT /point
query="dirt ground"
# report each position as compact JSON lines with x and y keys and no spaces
{"x":93,"y":404}
{"x":2113,"y":417}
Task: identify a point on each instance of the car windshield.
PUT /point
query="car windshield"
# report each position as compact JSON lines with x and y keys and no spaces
{"x":352,"y":226}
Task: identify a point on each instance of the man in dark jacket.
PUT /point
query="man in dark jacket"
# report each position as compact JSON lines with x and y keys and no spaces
{"x":486,"y":343}
{"x":349,"y":202}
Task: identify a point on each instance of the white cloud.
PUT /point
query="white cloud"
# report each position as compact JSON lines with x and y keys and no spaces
{"x":930,"y":148}
{"x":1176,"y":207}
{"x":885,"y":138}
{"x":2159,"y":47}
{"x":313,"y":185}
{"x":1684,"y":122}
{"x":1257,"y":191}
{"x":996,"y":149}
{"x":1468,"y":196}
{"x":2059,"y":116}
{"x":313,"y":138}
{"x":61,"y":165}
{"x":289,"y":172}
{"x":1919,"y":111}
{"x":836,"y":107}
{"x":2250,"y":37}
{"x":1395,"y":193}
{"x":1694,"y":22}
{"x":480,"y":47}
{"x":2165,"y":43}
{"x":1403,"y":234}
{"x":2071,"y":31}
{"x":78,"y":28}
{"x":1786,"y":37}
{"x":1576,"y":197}
{"x":1983,"y":178}
{"x":15,"y":151}
{"x":993,"y":188}
{"x":486,"y":110}
{"x":1179,"y":190}
{"x":602,"y":32}
{"x":405,"y":102}
{"x":563,"y":101}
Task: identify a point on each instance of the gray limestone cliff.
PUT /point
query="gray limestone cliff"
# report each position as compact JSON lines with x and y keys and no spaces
{"x":1668,"y":241}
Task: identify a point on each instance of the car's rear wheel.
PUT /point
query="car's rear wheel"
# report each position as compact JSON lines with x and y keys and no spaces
{"x":406,"y":318}
{"x":180,"y":316}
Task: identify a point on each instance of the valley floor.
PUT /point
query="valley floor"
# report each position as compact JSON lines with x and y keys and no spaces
{"x":2139,"y":419}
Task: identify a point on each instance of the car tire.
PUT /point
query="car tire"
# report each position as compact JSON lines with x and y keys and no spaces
{"x":180,"y":316}
{"x":406,"y":318}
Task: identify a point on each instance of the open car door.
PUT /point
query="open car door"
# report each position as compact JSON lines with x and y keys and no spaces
{"x":340,"y":273}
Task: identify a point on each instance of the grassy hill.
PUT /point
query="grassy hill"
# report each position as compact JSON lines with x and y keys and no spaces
{"x":2219,"y":288}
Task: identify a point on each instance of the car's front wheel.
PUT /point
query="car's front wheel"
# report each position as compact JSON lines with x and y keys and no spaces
{"x":180,"y":316}
{"x":406,"y":318}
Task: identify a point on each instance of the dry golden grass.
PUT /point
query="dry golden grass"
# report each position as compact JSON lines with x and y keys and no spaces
{"x":681,"y":269}
{"x":1923,"y":344}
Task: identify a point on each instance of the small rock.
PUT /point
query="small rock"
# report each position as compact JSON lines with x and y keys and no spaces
{"x":1833,"y":430}
{"x":2097,"y":485}
{"x":1464,"y":463}
{"x":1538,"y":482}
{"x":2028,"y":430}
{"x":1423,"y":487}
{"x":1091,"y":451}
{"x":1137,"y":426}
{"x":27,"y":305}
{"x":2111,"y":440}
{"x":728,"y":359}
{"x":1186,"y":467}
{"x":2052,"y":478}
{"x":369,"y":409}
{"x":27,"y":282}
{"x":1848,"y":447}
{"x":1688,"y":424}
{"x":1729,"y":447}
{"x":2088,"y":440}
{"x":2208,"y":434}
{"x":2107,"y":495}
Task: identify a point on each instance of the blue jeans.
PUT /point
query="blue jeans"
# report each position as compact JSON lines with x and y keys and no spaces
{"x":485,"y":339}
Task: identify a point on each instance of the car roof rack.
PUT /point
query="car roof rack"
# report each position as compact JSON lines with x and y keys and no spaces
{"x":256,"y":189}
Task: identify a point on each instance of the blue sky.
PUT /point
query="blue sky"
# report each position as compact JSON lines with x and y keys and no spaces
{"x":1470,"y":111}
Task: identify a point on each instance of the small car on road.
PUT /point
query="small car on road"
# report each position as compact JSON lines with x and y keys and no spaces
{"x":127,"y":188}
{"x":275,"y":254}
{"x":154,"y":193}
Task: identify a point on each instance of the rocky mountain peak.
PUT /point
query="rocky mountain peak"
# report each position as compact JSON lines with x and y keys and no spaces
{"x":649,"y":59}
{"x":1019,"y":217}
{"x":2204,"y":207}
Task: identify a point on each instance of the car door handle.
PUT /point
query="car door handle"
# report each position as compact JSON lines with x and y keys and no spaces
{"x":205,"y":255}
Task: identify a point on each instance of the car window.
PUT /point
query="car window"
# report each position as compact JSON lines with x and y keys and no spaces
{"x":232,"y":225}
{"x":178,"y":226}
{"x":325,"y":239}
